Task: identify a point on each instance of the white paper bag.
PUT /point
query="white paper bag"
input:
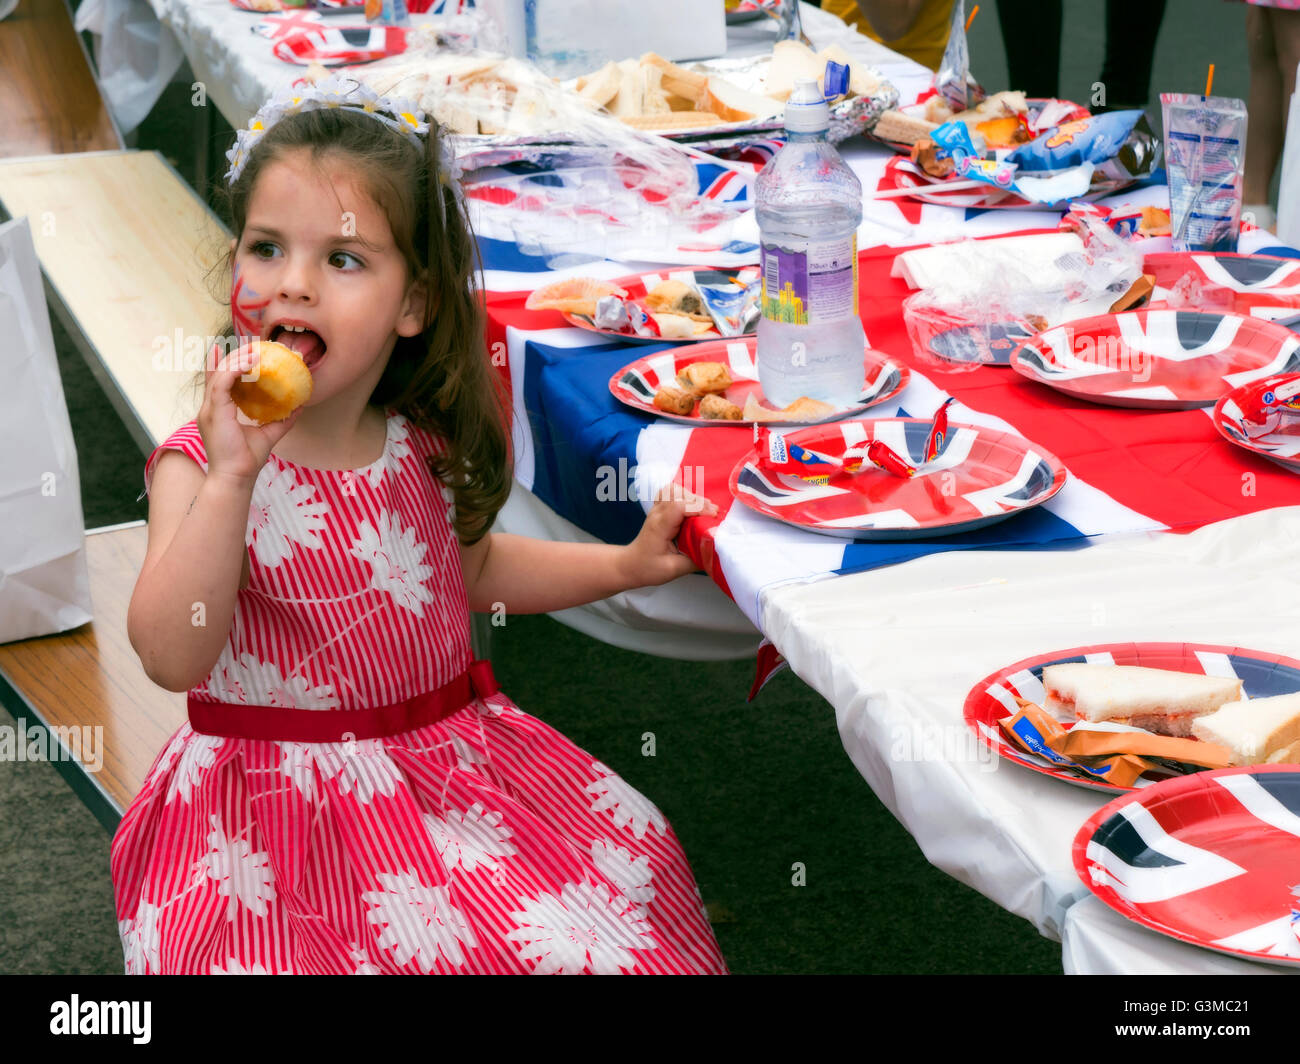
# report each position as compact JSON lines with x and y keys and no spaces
{"x":44,"y":586}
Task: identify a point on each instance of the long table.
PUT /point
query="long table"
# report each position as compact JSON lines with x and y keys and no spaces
{"x":894,"y":648}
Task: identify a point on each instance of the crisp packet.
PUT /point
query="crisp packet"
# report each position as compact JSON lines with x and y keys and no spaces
{"x":733,"y":307}
{"x":1102,"y":738}
{"x":1035,"y":731}
{"x":1095,"y":140}
{"x":954,"y":141}
{"x":1205,"y":157}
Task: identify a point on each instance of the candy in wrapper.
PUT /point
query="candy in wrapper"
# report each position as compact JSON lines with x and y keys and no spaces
{"x":882,"y":455}
{"x":938,"y":432}
{"x":626,"y":316}
{"x":784,"y":457}
{"x":1090,"y":739}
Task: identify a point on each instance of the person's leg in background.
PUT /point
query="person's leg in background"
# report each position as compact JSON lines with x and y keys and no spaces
{"x":1031,"y":31}
{"x":1286,"y":43}
{"x":1132,"y":27}
{"x":1264,"y":129}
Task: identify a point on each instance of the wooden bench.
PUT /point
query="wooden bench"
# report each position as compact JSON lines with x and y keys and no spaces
{"x":49,"y":99}
{"x":92,"y":677}
{"x":117,"y":235}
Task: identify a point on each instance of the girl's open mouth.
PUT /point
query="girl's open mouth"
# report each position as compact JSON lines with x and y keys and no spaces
{"x":308,"y":345}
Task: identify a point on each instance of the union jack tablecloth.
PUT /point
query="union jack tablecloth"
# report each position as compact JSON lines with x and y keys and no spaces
{"x":598,"y":464}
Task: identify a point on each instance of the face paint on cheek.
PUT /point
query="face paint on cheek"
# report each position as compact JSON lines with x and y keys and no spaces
{"x":246,"y":308}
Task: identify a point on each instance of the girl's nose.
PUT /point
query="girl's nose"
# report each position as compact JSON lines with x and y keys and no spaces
{"x":296,"y":283}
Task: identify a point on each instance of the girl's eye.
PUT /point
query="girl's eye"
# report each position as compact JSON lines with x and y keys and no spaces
{"x":263,"y":249}
{"x":342,"y":260}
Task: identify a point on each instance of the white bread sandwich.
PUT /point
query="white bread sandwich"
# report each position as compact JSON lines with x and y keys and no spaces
{"x":1259,"y":731}
{"x":1157,"y":700}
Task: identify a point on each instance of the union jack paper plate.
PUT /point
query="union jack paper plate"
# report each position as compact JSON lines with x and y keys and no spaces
{"x":1258,"y":286}
{"x":982,"y":476}
{"x":1264,"y":418}
{"x":1211,"y":859}
{"x":264,"y":6}
{"x":287,"y":23}
{"x":994,"y":697}
{"x":1157,"y":359}
{"x":901,"y":172}
{"x":340,"y":45}
{"x":636,"y":383}
{"x":637,"y":286}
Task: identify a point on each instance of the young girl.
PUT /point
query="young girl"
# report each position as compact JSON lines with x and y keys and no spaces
{"x":350,"y":793}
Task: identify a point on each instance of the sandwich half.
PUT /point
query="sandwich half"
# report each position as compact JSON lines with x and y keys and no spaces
{"x":1262,"y":730}
{"x":1157,"y":700}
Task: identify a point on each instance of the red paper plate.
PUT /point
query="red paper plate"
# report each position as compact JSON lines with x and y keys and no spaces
{"x":1250,"y":285}
{"x":1211,"y":859}
{"x":981,"y":477}
{"x":340,"y":45}
{"x":287,"y":23}
{"x":994,"y":697}
{"x":1264,"y":418}
{"x":638,"y":285}
{"x":636,"y":383}
{"x":1157,"y":359}
{"x":907,"y":174}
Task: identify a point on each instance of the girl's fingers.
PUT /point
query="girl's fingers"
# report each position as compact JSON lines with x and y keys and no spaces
{"x":692,"y":505}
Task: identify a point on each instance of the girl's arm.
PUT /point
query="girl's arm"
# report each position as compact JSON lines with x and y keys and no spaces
{"x":184,"y":599}
{"x":539,"y":576}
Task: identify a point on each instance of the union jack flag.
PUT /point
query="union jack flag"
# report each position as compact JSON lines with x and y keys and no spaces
{"x":1212,"y":859}
{"x":276,"y":26}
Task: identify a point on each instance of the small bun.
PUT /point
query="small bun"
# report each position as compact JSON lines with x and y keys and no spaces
{"x":283,"y":384}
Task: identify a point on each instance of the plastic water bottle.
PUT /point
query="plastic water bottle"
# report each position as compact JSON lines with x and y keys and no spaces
{"x":810,"y":338}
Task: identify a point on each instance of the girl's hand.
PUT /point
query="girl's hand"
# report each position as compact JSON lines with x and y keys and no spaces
{"x":235,"y":450}
{"x":652,"y":558}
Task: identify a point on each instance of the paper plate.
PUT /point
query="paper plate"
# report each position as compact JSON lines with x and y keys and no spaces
{"x":286,"y":23}
{"x":340,"y":45}
{"x":1258,"y":286}
{"x":1211,"y":859}
{"x":638,"y":285}
{"x":636,"y":383}
{"x":981,"y":477}
{"x":927,"y":189}
{"x":1264,"y":418}
{"x":1157,"y":359}
{"x":994,"y":697}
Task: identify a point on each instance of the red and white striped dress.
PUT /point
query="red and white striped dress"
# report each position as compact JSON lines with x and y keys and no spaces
{"x":486,"y":842}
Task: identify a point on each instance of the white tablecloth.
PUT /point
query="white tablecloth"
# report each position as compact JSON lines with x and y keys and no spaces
{"x":896,"y":651}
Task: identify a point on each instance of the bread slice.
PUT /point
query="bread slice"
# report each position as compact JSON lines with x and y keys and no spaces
{"x":602,"y":86}
{"x":1157,"y":700}
{"x":737,"y":105}
{"x":1256,"y":731}
{"x":678,"y":81}
{"x":791,"y":60}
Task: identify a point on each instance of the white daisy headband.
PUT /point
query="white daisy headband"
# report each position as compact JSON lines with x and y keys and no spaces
{"x":399,"y":115}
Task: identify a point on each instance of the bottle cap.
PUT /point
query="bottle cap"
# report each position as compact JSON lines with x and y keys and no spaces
{"x":806,"y":110}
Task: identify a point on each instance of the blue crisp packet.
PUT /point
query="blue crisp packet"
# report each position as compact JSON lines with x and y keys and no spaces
{"x":955,"y":141}
{"x":1086,"y":140}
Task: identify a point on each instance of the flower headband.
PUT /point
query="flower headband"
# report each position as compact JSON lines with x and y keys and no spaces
{"x":399,"y":115}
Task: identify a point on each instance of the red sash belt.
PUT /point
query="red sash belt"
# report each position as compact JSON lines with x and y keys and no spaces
{"x":281,"y":724}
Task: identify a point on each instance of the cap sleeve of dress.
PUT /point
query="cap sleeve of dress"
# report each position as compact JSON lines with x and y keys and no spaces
{"x":185,"y":439}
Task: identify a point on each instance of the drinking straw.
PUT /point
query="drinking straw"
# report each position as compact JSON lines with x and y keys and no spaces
{"x":1209,"y":80}
{"x":971,"y":17}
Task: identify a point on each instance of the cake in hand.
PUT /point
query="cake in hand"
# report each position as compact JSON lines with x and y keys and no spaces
{"x":283,"y":384}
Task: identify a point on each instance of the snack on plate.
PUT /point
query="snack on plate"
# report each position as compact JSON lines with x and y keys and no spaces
{"x":679,"y":326}
{"x":1155,"y":222}
{"x":1257,"y":731}
{"x":677,"y":297}
{"x":716,"y":408}
{"x":899,"y":128}
{"x":705,"y":377}
{"x":575,"y":295}
{"x":1003,"y":132}
{"x":932,"y":159}
{"x":1138,"y":293}
{"x":1157,"y":700}
{"x":283,"y":384}
{"x":802,"y":409}
{"x":675,"y":401}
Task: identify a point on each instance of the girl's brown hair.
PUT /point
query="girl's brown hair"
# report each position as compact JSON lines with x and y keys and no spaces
{"x":440,"y":379}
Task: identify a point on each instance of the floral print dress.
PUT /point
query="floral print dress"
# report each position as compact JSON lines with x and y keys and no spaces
{"x":484,"y":843}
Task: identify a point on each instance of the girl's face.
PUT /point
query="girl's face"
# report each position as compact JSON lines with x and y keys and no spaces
{"x":319,"y":251}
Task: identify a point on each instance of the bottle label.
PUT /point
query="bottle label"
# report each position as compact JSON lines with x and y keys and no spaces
{"x":813,"y":285}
